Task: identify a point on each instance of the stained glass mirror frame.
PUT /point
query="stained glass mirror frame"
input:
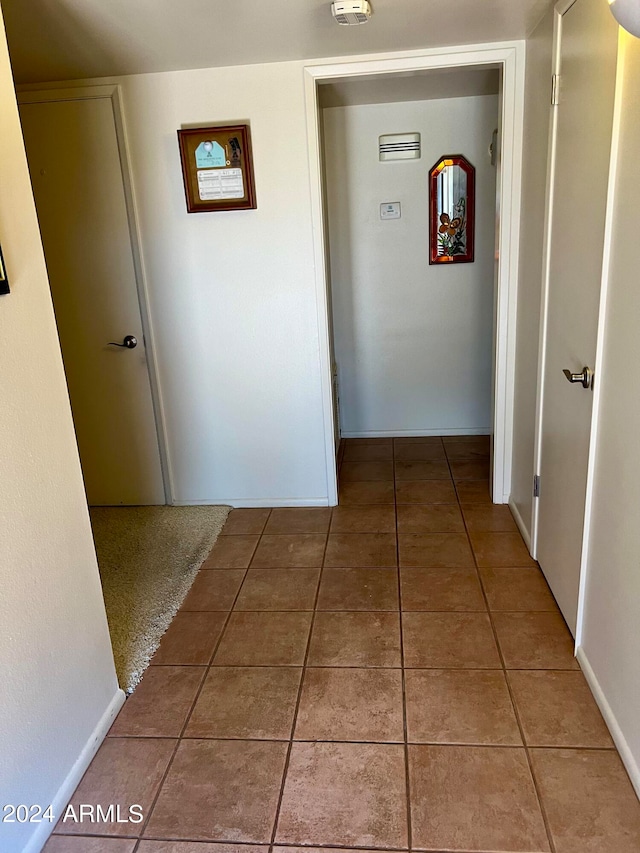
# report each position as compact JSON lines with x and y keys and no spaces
{"x":452,"y":241}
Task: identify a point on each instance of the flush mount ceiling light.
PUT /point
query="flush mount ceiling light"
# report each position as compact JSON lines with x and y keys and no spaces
{"x":627,"y":14}
{"x":351,"y":12}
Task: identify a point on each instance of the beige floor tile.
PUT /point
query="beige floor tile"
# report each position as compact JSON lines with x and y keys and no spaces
{"x":214,"y":590}
{"x":496,"y":550}
{"x":430,"y":518}
{"x":358,"y":589}
{"x":352,"y":442}
{"x":246,"y":702}
{"x":190,"y":639}
{"x":469,"y":469}
{"x":590,"y":804}
{"x":489,"y":518}
{"x":299,"y":520}
{"x":449,"y":641}
{"x":368,"y":452}
{"x":361,"y":550}
{"x":84,"y":844}
{"x":425,"y":492}
{"x":264,"y":639}
{"x":473,"y":798}
{"x":231,"y":552}
{"x":558,"y":709}
{"x":289,"y":849}
{"x":417,"y":439}
{"x":346,"y":794}
{"x":198,"y":847}
{"x":441,"y":589}
{"x":363,"y":519}
{"x":468,"y":450}
{"x":355,"y":639}
{"x":460,"y":707}
{"x":360,"y":471}
{"x":420,"y":452}
{"x":126,"y":771}
{"x":247,"y":521}
{"x":160,"y":703}
{"x":220,"y":789}
{"x":517,"y":589}
{"x":351,"y":705}
{"x":534,"y":641}
{"x":367,"y":492}
{"x":435,"y":550}
{"x":301,"y":550}
{"x":473,"y":492}
{"x":473,"y":440}
{"x":278,"y":589}
{"x":421,"y":469}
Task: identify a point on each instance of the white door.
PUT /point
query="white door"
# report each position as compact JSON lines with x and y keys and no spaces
{"x":73,"y":154}
{"x":587,"y":57}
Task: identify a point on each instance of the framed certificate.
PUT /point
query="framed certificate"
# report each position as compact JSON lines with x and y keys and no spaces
{"x":217,"y":168}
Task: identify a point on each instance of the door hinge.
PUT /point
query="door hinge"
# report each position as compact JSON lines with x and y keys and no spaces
{"x":536,"y":486}
{"x":555,"y":90}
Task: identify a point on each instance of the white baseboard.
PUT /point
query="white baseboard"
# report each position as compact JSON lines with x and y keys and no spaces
{"x":628,"y":759}
{"x":242,"y":503}
{"x":413,"y":433}
{"x":65,"y":791}
{"x":522,"y":527}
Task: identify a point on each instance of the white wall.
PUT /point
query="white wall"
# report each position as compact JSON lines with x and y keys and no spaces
{"x":58,"y":678}
{"x":534,"y":179}
{"x":610,"y":632}
{"x":412,"y":341}
{"x":232,"y":294}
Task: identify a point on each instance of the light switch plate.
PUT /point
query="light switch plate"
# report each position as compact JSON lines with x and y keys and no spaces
{"x":390,"y":210}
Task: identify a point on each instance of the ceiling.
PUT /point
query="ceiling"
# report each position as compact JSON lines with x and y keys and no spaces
{"x":71,"y":39}
{"x":416,"y":86}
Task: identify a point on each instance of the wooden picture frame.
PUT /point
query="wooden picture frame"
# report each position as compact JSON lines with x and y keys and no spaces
{"x":452,"y":210}
{"x":217,"y":168}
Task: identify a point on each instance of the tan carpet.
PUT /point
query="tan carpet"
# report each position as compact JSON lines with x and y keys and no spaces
{"x":148,"y":558}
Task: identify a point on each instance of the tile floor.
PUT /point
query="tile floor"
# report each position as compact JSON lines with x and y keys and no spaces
{"x":393,"y":674}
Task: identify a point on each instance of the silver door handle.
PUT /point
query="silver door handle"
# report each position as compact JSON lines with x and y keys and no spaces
{"x":585,"y":378}
{"x":128,"y":343}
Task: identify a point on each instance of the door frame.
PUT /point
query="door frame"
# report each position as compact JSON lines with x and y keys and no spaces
{"x":113,"y":93}
{"x":561,"y":8}
{"x":510,"y":57}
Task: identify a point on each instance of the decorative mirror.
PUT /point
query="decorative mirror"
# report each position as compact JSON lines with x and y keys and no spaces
{"x":452,"y":186}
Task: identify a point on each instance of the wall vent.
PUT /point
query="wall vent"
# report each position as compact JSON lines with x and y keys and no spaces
{"x":399,"y":146}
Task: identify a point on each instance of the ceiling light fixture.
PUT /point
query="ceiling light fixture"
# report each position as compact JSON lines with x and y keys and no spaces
{"x":627,"y":14}
{"x":351,"y":12}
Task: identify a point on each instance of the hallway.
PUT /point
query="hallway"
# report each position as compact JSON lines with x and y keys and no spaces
{"x":390,"y":674}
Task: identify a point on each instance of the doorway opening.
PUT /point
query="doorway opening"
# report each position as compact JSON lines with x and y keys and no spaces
{"x":376,"y":356}
{"x":412,"y":339}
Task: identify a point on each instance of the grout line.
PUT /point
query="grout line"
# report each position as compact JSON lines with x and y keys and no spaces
{"x":541,"y":806}
{"x":294,"y":721}
{"x":190,"y":711}
{"x":407,"y":780}
{"x":364,"y":666}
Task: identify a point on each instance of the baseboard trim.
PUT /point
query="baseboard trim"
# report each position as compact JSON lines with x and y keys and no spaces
{"x":413,"y":433}
{"x":628,"y":759}
{"x":65,"y":791}
{"x":248,"y":503}
{"x":522,"y":527}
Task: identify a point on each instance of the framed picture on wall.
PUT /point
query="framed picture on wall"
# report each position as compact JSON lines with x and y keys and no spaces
{"x":217,"y":168}
{"x":452,"y":215}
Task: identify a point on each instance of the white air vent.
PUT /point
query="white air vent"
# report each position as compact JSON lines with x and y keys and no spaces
{"x":350,"y":12}
{"x":400,"y":146}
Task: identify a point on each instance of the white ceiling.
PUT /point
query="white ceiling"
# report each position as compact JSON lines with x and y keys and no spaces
{"x":417,"y":86}
{"x":71,"y":39}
